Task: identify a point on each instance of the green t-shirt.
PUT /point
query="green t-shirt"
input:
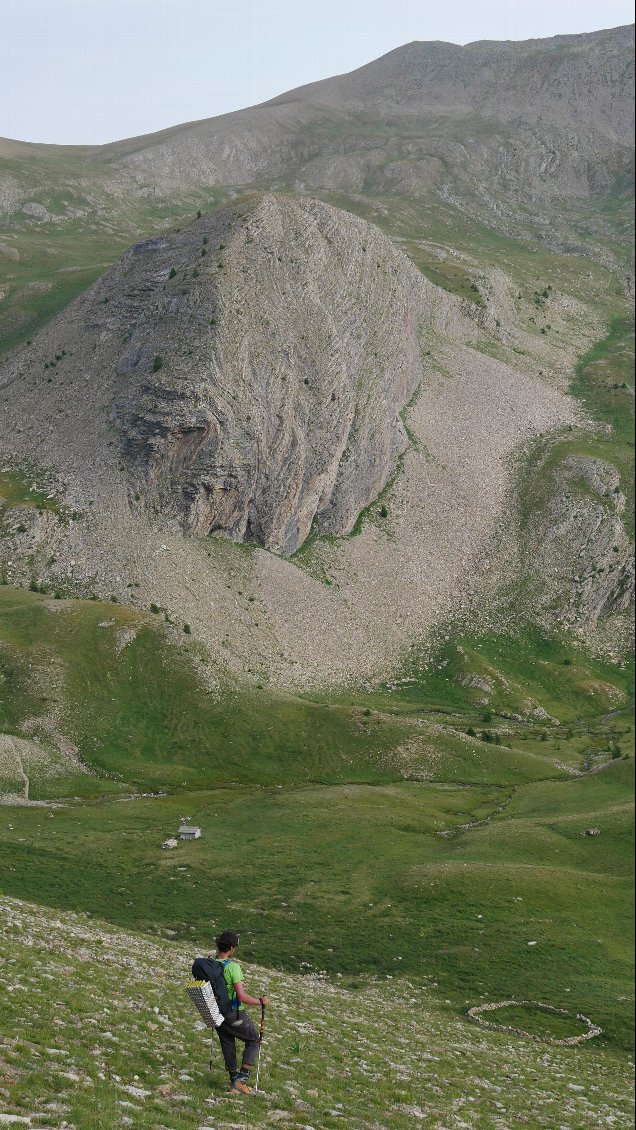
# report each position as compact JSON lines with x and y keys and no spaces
{"x":233,"y":974}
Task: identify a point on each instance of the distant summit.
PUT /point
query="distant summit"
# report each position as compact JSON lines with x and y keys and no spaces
{"x":543,"y":118}
{"x":536,"y":122}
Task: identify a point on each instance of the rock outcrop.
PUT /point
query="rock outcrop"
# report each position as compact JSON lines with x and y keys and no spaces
{"x":578,"y":545}
{"x":252,"y":368}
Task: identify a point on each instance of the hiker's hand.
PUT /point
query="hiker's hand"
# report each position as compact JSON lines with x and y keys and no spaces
{"x":264,"y":1001}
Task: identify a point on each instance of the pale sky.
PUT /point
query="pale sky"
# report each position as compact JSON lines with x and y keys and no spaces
{"x":92,"y":71}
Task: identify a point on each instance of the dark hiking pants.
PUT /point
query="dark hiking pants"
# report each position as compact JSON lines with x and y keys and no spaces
{"x":229,"y":1033}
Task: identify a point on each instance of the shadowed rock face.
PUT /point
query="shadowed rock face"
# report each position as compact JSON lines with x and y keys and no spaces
{"x":253,"y":367}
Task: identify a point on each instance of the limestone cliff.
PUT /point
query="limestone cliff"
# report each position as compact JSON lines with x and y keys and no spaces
{"x":251,"y":368}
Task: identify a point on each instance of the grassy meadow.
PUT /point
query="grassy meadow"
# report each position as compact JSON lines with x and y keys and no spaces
{"x":406,"y":833}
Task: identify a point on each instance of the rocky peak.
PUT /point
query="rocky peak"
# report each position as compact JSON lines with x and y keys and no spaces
{"x":253,"y":367}
{"x":284,"y":371}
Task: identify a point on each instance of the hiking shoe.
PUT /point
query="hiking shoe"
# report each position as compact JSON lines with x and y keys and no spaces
{"x":241,"y":1087}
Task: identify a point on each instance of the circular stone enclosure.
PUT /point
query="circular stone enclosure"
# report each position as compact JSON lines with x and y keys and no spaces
{"x":591,"y":1030}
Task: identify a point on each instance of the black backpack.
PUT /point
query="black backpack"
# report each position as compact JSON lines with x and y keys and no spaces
{"x":209,"y":969}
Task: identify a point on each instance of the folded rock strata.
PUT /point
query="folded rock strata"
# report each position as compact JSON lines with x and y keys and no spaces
{"x":252,"y":368}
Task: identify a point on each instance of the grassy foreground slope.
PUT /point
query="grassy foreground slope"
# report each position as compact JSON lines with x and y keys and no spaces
{"x":97,"y":1032}
{"x":410,"y":832}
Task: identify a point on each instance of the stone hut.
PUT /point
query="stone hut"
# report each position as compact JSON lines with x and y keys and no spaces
{"x":189,"y":832}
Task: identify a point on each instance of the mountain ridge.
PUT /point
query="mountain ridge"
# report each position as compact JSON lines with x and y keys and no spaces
{"x":365,"y":83}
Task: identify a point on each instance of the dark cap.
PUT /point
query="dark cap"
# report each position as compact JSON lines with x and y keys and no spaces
{"x":226,"y":940}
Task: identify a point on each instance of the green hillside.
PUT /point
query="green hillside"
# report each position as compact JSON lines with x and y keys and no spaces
{"x":408,"y":831}
{"x":98,"y":1032}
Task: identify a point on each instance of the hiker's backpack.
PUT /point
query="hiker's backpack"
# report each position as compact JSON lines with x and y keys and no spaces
{"x":211,"y":970}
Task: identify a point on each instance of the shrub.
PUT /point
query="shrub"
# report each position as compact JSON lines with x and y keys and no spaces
{"x":487,"y":736}
{"x":187,"y":629}
{"x":155,"y":608}
{"x":199,"y":214}
{"x":33,"y":585}
{"x":487,"y":716}
{"x":173,"y":271}
{"x":157,"y":364}
{"x":472,"y":733}
{"x":567,"y":662}
{"x":384,"y":512}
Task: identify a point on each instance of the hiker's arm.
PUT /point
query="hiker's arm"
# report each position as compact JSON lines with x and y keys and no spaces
{"x":245,"y":998}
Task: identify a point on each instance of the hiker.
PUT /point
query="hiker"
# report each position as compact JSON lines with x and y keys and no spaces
{"x":245,"y":1030}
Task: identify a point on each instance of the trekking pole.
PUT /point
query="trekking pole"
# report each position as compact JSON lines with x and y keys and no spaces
{"x":260,"y":1043}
